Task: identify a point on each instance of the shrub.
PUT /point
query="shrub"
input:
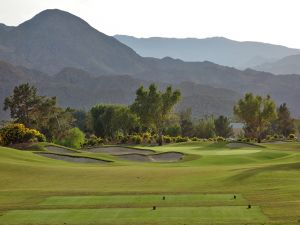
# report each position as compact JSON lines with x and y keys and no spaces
{"x":281,"y":137}
{"x":167,"y":139}
{"x":136,"y":139}
{"x":73,"y":138}
{"x":195,"y":139}
{"x":181,"y":139}
{"x":93,"y":141}
{"x":146,"y":136}
{"x":246,"y":140}
{"x":220,"y":139}
{"x":124,"y":140}
{"x":292,"y":136}
{"x":18,"y":133}
{"x":32,"y":134}
{"x":1,"y":141}
{"x":269,"y":137}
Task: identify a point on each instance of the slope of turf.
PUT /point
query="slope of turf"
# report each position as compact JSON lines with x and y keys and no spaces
{"x":198,"y":190}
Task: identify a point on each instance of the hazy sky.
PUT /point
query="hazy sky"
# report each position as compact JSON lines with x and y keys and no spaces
{"x":272,"y":21}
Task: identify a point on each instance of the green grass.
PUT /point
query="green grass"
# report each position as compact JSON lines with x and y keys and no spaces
{"x":198,"y":190}
{"x":173,"y":215}
{"x":145,"y":200}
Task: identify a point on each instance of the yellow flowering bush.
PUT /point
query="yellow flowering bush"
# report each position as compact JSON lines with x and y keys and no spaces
{"x":18,"y":133}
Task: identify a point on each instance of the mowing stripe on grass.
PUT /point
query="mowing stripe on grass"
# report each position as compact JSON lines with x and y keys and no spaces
{"x":174,"y":215}
{"x":145,"y":200}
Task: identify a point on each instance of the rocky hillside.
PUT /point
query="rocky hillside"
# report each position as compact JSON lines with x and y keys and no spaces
{"x":78,"y":89}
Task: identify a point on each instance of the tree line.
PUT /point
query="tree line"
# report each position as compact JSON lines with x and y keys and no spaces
{"x":150,"y":119}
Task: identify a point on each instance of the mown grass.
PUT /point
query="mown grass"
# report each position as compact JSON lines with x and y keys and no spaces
{"x":145,"y":200}
{"x":173,"y":215}
{"x":38,"y":190}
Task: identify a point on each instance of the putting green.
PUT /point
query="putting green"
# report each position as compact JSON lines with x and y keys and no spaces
{"x":163,"y":215}
{"x":198,"y":148}
{"x":145,"y":200}
{"x":228,"y":152}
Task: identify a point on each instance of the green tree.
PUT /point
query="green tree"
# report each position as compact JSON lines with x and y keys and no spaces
{"x":82,"y":120}
{"x":22,"y":103}
{"x":172,"y":126}
{"x":50,"y":119}
{"x":284,"y":124}
{"x":257,"y":113}
{"x":154,"y":107}
{"x":222,"y":127}
{"x":205,"y":127}
{"x":186,"y":124}
{"x":109,"y":120}
{"x":126,"y":121}
{"x":38,"y":112}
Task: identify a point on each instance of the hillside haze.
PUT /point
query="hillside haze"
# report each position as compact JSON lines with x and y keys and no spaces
{"x":286,"y":65}
{"x":73,"y":58}
{"x":219,"y":50}
{"x":78,"y":89}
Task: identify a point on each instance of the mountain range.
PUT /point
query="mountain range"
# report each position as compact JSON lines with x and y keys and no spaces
{"x":219,"y":50}
{"x":65,"y":57}
{"x":287,"y":65}
{"x":78,"y":89}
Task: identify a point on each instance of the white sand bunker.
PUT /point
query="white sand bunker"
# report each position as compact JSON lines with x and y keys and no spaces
{"x":162,"y":157}
{"x":241,"y":145}
{"x":61,"y":150}
{"x":120,"y":151}
{"x":70,"y":158}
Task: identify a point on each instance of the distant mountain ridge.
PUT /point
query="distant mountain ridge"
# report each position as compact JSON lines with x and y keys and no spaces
{"x":78,"y":89}
{"x":219,"y":50}
{"x":286,"y":65}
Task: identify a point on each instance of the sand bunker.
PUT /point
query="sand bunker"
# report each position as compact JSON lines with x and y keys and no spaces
{"x":70,"y":158}
{"x":120,"y":151}
{"x":162,"y":157}
{"x":167,"y":157}
{"x":138,"y":155}
{"x":241,"y":145}
{"x":60,"y":150}
{"x":135,"y":157}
